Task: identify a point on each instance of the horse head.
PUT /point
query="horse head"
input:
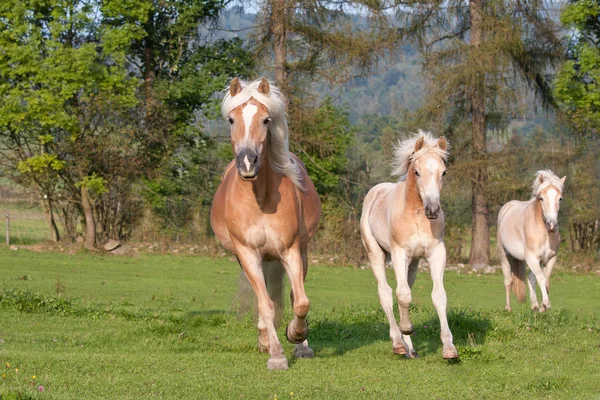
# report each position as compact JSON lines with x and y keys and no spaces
{"x":428,"y":170}
{"x":249,"y":127}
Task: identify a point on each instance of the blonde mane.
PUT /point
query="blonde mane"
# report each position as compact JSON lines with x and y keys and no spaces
{"x":544,"y":179}
{"x":278,"y":139}
{"x":404,"y":153}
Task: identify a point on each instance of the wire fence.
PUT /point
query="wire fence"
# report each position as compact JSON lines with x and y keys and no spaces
{"x":23,"y":223}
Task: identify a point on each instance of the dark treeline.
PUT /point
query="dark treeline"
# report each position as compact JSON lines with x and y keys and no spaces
{"x":109,"y":109}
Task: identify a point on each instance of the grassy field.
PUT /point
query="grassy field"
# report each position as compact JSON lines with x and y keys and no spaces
{"x":162,"y":327}
{"x":27,"y":224}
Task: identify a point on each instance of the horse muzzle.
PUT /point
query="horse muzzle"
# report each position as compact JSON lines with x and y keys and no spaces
{"x":432,"y":210}
{"x":551,"y":226}
{"x":247,"y":164}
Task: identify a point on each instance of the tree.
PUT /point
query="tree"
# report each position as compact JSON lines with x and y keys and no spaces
{"x":479,"y":56}
{"x":577,"y":86}
{"x":53,"y":81}
{"x":74,"y":122}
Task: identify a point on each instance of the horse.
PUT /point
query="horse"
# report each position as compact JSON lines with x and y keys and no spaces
{"x":405,"y":220}
{"x":266,"y":210}
{"x":528,"y":234}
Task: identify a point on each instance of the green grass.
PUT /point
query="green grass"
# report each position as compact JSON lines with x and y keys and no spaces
{"x":161,"y":327}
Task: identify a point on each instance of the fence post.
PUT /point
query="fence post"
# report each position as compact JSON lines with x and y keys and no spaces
{"x":7,"y":228}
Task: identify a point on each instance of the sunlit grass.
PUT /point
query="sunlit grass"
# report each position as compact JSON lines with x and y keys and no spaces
{"x":162,"y":326}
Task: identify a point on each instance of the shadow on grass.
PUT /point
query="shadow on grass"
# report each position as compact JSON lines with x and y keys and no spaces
{"x":354,"y":330}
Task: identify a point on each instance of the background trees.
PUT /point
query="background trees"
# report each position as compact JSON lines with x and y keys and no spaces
{"x":480,"y":57}
{"x":109,"y":108}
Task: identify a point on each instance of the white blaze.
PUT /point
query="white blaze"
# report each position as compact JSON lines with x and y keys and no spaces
{"x":431,"y":188}
{"x":248,"y":114}
{"x":551,"y":213}
{"x":247,"y":163}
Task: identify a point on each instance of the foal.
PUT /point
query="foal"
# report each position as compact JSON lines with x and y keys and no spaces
{"x":528,"y":233}
{"x":266,"y":210}
{"x":405,"y":220}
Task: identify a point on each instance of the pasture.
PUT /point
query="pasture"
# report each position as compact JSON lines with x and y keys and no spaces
{"x":161,"y":326}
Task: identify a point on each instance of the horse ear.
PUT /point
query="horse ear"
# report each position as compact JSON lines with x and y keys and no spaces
{"x":263,"y":86}
{"x":540,"y":179}
{"x":562,"y":180}
{"x":235,"y":87}
{"x":441,"y":143}
{"x":419,"y":143}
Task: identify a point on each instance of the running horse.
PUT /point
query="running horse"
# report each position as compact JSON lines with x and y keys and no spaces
{"x":405,"y":220}
{"x":528,"y":234}
{"x":266,"y":210}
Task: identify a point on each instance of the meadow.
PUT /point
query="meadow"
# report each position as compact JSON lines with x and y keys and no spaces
{"x":88,"y":326}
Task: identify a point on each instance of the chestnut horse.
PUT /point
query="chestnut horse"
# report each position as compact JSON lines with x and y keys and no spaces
{"x":405,"y":220}
{"x":266,"y":210}
{"x":528,"y":233}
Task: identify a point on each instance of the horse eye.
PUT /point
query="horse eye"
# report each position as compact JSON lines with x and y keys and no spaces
{"x":266,"y":120}
{"x":560,"y":199}
{"x":417,"y":173}
{"x":230,"y":120}
{"x":444,"y":173}
{"x":541,"y":199}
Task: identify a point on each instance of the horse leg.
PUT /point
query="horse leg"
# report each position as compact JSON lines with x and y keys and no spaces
{"x":536,"y":269}
{"x":412,"y":276}
{"x":437,"y":263}
{"x":399,"y":262}
{"x":386,"y":299}
{"x":252,"y":265}
{"x":506,"y":270}
{"x":297,"y":329}
{"x":532,"y":295}
{"x":302,"y":350}
{"x":548,"y":271}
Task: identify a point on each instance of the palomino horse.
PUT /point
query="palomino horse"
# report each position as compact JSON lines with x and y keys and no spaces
{"x":266,"y":210}
{"x":528,"y":233}
{"x":405,"y":220}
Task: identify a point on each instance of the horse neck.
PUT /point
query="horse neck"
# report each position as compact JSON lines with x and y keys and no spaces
{"x":538,"y":213}
{"x":412,"y":199}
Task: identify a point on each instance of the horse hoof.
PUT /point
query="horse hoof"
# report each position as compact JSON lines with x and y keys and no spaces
{"x":303,"y":352}
{"x":295,"y":339}
{"x":535,"y":308}
{"x":509,"y":309}
{"x":450,"y":353}
{"x":279,"y":363}
{"x":414,"y":354}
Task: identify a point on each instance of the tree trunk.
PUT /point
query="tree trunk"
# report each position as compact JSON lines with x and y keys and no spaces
{"x":480,"y":236}
{"x":278,"y":30}
{"x":47,"y":207}
{"x":90,"y":225}
{"x":149,"y":73}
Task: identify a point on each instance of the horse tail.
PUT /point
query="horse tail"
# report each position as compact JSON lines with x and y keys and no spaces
{"x":518,"y":282}
{"x":246,"y":299}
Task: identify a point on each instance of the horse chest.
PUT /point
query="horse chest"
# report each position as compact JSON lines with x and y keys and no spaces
{"x":418,"y":244}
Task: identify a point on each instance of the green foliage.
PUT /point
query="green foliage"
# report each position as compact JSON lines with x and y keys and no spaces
{"x":577,"y":84}
{"x":41,"y":164}
{"x":95,"y":183}
{"x":322,"y":140}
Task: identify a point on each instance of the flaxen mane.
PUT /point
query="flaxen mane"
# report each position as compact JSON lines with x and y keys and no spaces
{"x":278,"y":140}
{"x":544,"y":179}
{"x":404,"y":152}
